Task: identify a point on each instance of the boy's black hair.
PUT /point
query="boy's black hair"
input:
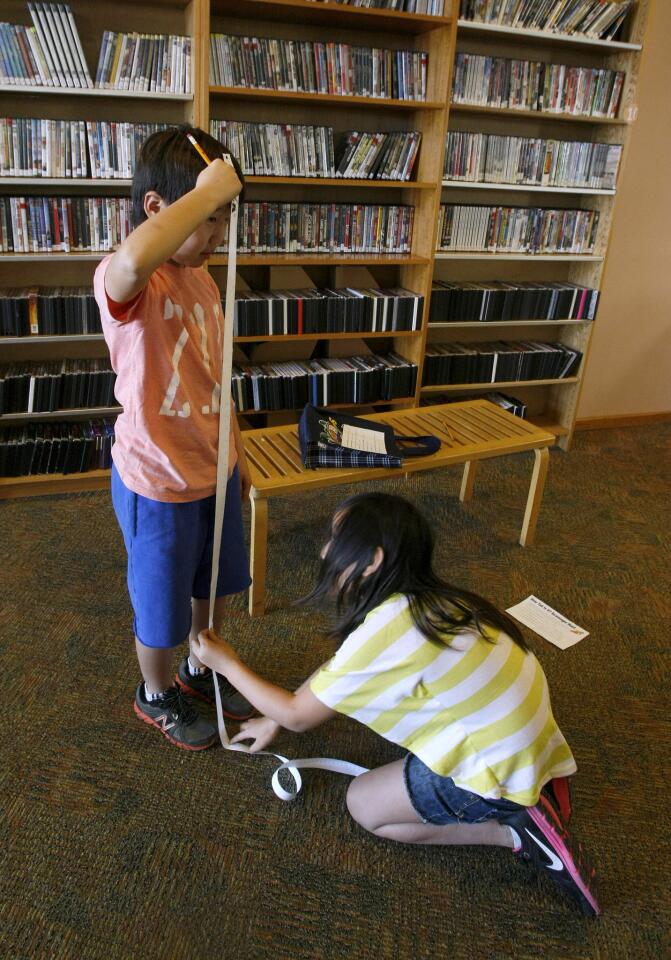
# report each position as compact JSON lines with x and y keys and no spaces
{"x":169,"y":164}
{"x":370,"y":520}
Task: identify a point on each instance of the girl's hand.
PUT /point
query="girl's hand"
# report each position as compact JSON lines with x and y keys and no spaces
{"x":262,"y":730}
{"x":214,"y":652}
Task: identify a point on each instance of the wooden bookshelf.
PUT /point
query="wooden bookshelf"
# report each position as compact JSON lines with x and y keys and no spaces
{"x":366,"y":27}
{"x":551,"y":403}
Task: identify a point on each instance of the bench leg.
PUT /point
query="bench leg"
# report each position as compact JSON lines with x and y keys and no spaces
{"x":257,"y":559}
{"x":467,"y":481}
{"x":541,"y":461}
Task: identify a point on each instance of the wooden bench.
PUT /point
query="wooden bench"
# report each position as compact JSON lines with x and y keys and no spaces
{"x":469,"y":431}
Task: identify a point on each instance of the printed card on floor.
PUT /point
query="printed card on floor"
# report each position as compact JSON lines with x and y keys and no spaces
{"x":546,"y":622}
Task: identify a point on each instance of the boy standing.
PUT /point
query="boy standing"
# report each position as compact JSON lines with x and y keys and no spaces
{"x":163,"y":322}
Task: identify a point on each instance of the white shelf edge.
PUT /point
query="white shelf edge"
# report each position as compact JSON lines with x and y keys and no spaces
{"x":64,"y":338}
{"x":546,"y":35}
{"x":49,"y":255}
{"x":63,"y":182}
{"x":516,"y":112}
{"x":60,"y":414}
{"x":526,"y":188}
{"x":95,"y":92}
{"x":536,"y":257}
{"x":486,"y":324}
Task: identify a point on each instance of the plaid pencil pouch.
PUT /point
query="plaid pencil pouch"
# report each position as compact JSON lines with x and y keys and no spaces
{"x":329,"y":438}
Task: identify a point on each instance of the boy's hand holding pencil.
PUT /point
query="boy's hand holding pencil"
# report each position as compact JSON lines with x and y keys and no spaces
{"x":221,"y":180}
{"x":217,"y":175}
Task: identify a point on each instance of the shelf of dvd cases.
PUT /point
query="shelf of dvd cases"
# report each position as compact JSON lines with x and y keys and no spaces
{"x":66,"y":338}
{"x":328,"y":99}
{"x":525,"y":188}
{"x":60,"y":414}
{"x":495,"y":31}
{"x":246,"y":259}
{"x":329,"y":13}
{"x":496,"y":385}
{"x":251,"y":180}
{"x":395,"y":401}
{"x":488,"y":324}
{"x":322,"y":259}
{"x":529,"y":257}
{"x":339,"y":182}
{"x":537,"y":115}
{"x":305,"y":337}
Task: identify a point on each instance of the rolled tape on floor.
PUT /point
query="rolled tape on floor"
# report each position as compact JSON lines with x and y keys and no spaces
{"x":291,"y":766}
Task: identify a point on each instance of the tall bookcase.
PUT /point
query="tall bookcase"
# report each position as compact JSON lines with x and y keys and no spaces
{"x":180,"y":17}
{"x":552,"y":403}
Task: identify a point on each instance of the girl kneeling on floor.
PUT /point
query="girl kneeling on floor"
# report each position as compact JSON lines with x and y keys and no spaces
{"x":441,"y":672}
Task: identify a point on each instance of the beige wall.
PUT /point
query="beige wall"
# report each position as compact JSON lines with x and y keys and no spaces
{"x":629,"y":369}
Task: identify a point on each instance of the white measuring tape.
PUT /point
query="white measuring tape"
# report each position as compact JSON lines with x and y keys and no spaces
{"x":291,"y":766}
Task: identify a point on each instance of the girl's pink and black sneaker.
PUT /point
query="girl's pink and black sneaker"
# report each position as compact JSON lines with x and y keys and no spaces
{"x":558,"y":791}
{"x":546,"y":843}
{"x":233,"y":704}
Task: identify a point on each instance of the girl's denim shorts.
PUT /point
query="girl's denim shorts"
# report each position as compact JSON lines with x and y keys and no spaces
{"x":439,"y":800}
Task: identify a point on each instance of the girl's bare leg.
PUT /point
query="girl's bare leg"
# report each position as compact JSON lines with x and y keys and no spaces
{"x":379,"y":802}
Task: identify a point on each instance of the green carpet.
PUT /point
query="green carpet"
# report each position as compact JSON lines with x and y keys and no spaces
{"x":115,"y":844}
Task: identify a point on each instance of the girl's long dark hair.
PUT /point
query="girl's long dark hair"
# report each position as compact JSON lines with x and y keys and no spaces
{"x":370,"y":520}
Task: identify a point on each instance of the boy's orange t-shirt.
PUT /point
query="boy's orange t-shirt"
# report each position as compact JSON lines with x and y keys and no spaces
{"x":166,"y":350}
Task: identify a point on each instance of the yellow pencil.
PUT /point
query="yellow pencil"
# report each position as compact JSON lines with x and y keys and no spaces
{"x":194,"y":143}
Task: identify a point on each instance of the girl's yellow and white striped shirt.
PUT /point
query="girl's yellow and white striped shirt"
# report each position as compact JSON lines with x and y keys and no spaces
{"x":470,"y":709}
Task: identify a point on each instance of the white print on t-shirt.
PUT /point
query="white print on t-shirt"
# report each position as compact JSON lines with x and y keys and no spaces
{"x":171,"y":309}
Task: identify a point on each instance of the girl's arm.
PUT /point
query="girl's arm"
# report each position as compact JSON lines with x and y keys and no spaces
{"x":263,"y":730}
{"x":295,"y":711}
{"x":155,"y":240}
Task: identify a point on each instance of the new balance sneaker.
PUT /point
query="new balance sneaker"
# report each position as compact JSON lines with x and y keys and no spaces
{"x":233,"y":704}
{"x":559,"y":792}
{"x":177,"y":718}
{"x":545,"y":843}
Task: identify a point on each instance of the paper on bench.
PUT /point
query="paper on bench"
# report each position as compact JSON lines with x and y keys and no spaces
{"x":358,"y":438}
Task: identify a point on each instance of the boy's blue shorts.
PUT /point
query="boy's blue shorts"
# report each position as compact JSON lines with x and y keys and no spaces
{"x":169,"y":548}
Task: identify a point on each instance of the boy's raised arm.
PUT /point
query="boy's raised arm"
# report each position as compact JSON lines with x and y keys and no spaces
{"x":162,"y":234}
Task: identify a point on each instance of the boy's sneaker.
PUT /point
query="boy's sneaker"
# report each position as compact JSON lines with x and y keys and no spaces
{"x":558,"y":791}
{"x":233,"y":704}
{"x":177,"y":718}
{"x":547,"y":845}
